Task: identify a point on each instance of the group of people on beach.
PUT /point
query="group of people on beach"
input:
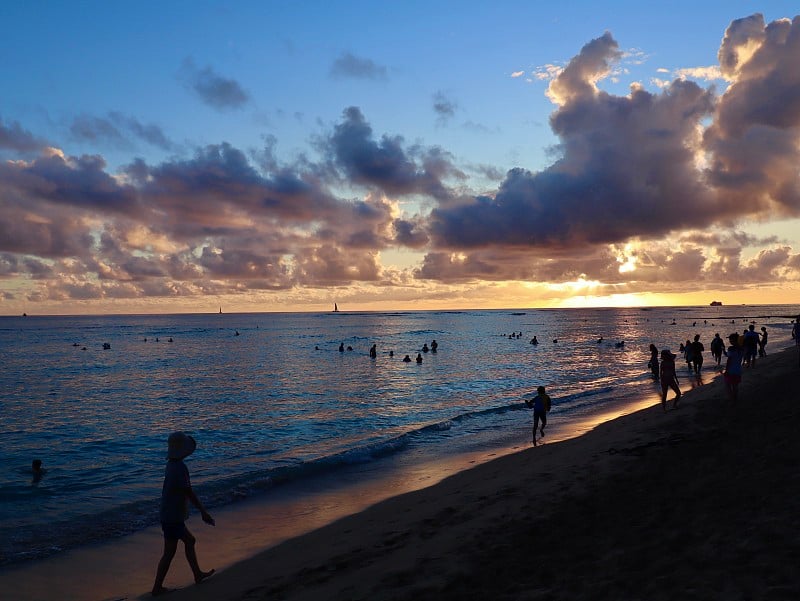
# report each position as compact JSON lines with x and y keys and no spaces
{"x":742,"y":351}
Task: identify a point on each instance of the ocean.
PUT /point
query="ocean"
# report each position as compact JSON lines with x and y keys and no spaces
{"x":272,"y":401}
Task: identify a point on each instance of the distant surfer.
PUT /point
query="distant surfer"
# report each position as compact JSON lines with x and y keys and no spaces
{"x":37,"y":470}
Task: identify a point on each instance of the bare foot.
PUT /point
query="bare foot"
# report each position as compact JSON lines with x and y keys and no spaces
{"x":203,"y":576}
{"x":157,"y":592}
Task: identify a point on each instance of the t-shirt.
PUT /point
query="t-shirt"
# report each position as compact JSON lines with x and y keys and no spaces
{"x":541,"y":403}
{"x":174,"y":502}
{"x":734,"y":364}
{"x":750,"y":338}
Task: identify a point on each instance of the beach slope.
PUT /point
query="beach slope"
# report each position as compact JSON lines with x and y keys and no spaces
{"x":695,"y":503}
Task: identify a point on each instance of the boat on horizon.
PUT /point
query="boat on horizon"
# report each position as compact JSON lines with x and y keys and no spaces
{"x":716,"y":303}
{"x":335,"y":308}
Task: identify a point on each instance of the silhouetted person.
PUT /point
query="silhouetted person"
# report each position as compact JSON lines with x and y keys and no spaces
{"x":373,"y":351}
{"x":653,"y":364}
{"x":669,"y":379}
{"x":750,"y":346}
{"x":175,"y":497}
{"x":341,"y":347}
{"x":697,"y":349}
{"x":717,"y":348}
{"x":541,"y":405}
{"x":762,"y":344}
{"x":37,"y":470}
{"x":425,"y":348}
{"x":406,"y":359}
{"x":534,"y":340}
{"x":419,"y":358}
{"x":434,"y":346}
{"x":733,"y":367}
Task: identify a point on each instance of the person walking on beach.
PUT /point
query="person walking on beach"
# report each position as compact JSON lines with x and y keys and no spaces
{"x":541,"y":404}
{"x":697,"y":349}
{"x":175,"y":496}
{"x":653,"y":363}
{"x":750,"y":346}
{"x":717,"y":348}
{"x":762,"y":344}
{"x":733,"y":367}
{"x":669,"y":379}
{"x":796,"y":336}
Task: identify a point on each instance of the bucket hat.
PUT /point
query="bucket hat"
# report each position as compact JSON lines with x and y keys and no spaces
{"x":181,"y":445}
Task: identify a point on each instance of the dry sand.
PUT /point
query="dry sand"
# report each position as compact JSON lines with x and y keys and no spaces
{"x":696,"y":503}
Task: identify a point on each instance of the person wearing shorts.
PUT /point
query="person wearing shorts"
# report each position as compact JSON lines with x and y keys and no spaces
{"x":669,"y":379}
{"x":176,"y":494}
{"x":541,"y":405}
{"x":733,"y":367}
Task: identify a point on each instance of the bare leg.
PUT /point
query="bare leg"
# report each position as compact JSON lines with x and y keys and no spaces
{"x":170,"y":547}
{"x":191,"y":556}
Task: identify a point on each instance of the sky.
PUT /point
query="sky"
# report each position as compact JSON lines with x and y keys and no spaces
{"x":171,"y":157}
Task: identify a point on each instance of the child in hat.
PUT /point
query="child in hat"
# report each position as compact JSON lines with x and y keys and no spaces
{"x":175,"y":496}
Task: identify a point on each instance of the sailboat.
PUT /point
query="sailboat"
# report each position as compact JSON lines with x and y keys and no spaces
{"x":335,"y":308}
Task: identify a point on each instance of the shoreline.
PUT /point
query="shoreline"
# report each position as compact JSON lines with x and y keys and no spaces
{"x":694,"y":503}
{"x":436,"y":541}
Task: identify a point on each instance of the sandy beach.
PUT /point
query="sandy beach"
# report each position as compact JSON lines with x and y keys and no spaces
{"x":695,"y":503}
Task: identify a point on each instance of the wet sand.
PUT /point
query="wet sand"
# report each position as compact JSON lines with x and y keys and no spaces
{"x":696,"y":503}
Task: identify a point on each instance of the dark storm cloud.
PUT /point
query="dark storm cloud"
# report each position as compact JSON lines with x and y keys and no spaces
{"x":14,"y":137}
{"x":351,"y":66}
{"x":214,"y":90}
{"x":385,"y":164}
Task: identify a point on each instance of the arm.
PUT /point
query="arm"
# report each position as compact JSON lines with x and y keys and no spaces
{"x":196,"y":502}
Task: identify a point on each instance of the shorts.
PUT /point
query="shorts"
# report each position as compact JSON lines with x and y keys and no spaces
{"x":174,"y":531}
{"x":733,"y":378}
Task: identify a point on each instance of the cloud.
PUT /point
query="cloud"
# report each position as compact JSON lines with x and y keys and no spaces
{"x":755,"y":138}
{"x":14,"y":137}
{"x":644,"y":193}
{"x":444,"y":107}
{"x":626,"y":168}
{"x":354,"y":67}
{"x":386,"y":164}
{"x":216,"y":91}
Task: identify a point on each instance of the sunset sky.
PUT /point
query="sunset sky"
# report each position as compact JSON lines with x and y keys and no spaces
{"x":283,"y":156}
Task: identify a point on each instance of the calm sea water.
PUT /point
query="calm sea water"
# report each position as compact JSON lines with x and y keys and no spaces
{"x":271,"y":400}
